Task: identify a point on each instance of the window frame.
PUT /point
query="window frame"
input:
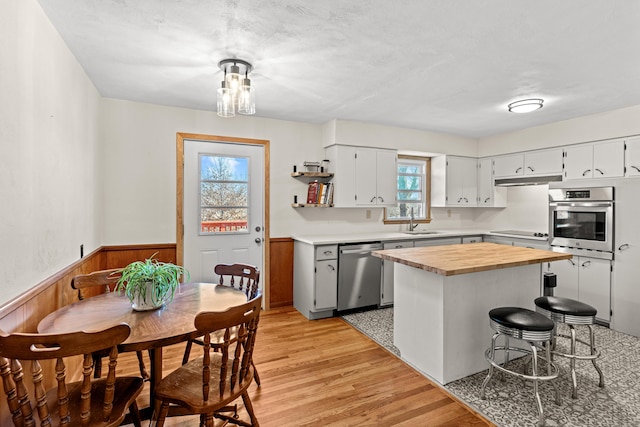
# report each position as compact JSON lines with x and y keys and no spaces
{"x":426,"y":193}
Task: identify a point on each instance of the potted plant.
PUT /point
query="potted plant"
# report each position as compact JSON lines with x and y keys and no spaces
{"x":150,"y":283}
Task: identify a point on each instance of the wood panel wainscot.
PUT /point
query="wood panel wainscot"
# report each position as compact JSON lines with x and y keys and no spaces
{"x":281,"y":272}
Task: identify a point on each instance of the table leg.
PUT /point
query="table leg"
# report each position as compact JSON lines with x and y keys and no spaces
{"x":155,"y":356}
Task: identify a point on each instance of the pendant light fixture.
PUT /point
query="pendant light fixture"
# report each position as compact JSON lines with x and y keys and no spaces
{"x":525,"y":105}
{"x":236,"y":93}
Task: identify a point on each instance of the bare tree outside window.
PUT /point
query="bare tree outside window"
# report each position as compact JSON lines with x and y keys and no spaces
{"x":224,"y":187}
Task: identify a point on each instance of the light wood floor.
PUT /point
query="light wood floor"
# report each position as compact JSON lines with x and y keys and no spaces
{"x":325,"y":373}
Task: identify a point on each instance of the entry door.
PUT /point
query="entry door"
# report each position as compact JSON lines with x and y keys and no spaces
{"x":223,"y":206}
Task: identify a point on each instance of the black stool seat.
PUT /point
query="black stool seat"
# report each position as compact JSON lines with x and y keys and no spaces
{"x":516,"y":321}
{"x":566,"y":310}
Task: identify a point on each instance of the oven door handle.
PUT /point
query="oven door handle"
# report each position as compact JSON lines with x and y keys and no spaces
{"x":582,"y":204}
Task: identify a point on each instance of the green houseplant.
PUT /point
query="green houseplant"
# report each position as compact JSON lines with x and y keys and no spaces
{"x":150,"y":283}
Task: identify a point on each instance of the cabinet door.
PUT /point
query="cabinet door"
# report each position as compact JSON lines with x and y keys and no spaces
{"x":608,"y":159}
{"x":485,"y":182}
{"x":578,"y":162}
{"x":343,"y":165}
{"x":387,"y":177}
{"x":326,"y":286}
{"x":566,"y":272}
{"x":509,"y":165}
{"x":595,"y":285}
{"x":543,"y":162}
{"x":366,"y":177}
{"x":455,"y":181}
{"x":632,"y":156}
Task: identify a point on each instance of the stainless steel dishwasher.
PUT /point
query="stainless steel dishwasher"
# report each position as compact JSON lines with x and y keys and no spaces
{"x":359,"y":276}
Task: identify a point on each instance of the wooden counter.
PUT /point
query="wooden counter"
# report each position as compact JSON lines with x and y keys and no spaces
{"x":451,"y":260}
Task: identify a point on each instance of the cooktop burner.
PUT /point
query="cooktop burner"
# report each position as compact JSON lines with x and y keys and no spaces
{"x":521,"y":233}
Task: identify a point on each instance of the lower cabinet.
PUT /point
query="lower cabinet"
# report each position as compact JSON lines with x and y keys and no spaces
{"x":437,"y":242}
{"x":584,"y":279}
{"x":315,"y":279}
{"x":386,"y":288}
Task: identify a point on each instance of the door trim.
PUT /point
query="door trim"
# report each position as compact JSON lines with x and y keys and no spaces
{"x":180,"y":137}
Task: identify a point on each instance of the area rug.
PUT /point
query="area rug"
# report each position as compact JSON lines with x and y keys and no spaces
{"x":510,"y":403}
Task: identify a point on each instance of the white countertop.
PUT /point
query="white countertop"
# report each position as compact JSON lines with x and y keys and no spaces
{"x":329,"y":239}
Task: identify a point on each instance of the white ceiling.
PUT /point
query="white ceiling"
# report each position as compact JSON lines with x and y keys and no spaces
{"x":442,"y":65}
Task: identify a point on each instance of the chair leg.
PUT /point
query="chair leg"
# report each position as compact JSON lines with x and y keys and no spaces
{"x":572,"y":363}
{"x":492,"y":355}
{"x":547,"y":348}
{"x":135,"y":414}
{"x":143,"y":369}
{"x":256,"y":377}
{"x":249,"y":407}
{"x":187,"y":352}
{"x":162,"y":414}
{"x":592,"y":342}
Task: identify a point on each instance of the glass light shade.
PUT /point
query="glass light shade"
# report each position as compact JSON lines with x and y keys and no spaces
{"x":246,"y":98}
{"x":234,"y":78}
{"x":525,"y":105}
{"x":226,"y":104}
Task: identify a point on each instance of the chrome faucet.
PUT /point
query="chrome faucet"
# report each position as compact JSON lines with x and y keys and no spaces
{"x":411,"y":224}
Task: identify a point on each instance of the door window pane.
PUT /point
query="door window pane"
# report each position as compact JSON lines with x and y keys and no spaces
{"x":224,"y":194}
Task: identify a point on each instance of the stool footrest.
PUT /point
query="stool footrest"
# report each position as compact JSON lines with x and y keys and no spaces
{"x":554,"y":368}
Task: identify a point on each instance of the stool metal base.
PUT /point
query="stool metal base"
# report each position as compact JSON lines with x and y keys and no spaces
{"x":532,"y":351}
{"x":571,"y":322}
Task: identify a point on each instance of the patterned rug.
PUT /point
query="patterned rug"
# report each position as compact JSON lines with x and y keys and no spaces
{"x":511,"y":404}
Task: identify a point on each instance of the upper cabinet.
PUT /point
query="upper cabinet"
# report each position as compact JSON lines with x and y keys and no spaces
{"x":488,"y":194}
{"x":530,"y":163}
{"x":632,"y":156}
{"x":594,"y":160}
{"x":454,"y":181}
{"x":364,"y":176}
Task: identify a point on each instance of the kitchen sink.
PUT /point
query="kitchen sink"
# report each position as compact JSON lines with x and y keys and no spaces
{"x":421,"y":232}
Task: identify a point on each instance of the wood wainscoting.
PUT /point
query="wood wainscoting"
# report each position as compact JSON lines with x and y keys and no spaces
{"x":281,"y":272}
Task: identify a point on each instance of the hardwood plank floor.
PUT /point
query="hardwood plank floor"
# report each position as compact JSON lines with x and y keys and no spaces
{"x":325,"y":373}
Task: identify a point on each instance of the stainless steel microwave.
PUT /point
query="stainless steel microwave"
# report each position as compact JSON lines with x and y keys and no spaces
{"x":582,"y":218}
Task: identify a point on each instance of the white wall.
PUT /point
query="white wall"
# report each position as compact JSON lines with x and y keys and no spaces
{"x":49,"y":173}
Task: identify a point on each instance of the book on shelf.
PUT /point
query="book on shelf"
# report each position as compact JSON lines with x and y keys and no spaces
{"x":312,"y":192}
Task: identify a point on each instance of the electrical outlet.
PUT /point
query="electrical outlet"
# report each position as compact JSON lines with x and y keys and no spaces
{"x":448,"y":213}
{"x":368,"y":214}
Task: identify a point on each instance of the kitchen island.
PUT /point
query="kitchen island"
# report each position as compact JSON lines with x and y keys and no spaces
{"x":443,"y":295}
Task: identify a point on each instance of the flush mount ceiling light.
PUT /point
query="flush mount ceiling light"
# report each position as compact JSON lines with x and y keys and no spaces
{"x":236,"y":95}
{"x":525,"y":105}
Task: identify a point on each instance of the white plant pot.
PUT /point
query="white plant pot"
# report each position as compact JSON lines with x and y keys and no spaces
{"x":145,"y":303}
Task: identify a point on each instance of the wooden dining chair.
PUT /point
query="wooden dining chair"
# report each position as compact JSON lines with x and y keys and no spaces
{"x":243,"y":277}
{"x":100,"y":402}
{"x":102,"y":281}
{"x":210,"y":384}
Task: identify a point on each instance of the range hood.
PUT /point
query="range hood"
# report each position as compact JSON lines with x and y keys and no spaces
{"x":527,"y":180}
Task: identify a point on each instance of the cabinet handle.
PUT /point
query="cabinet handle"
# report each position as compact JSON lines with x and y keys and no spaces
{"x":331,"y":267}
{"x":635,"y":167}
{"x":487,"y":199}
{"x":328,"y":252}
{"x":398,"y":247}
{"x":466,"y":200}
{"x":623,"y":247}
{"x":601,"y":173}
{"x":372,"y":199}
{"x":586,"y":172}
{"x":460,"y":199}
{"x":381,"y":199}
{"x":531,"y":169}
{"x":571,"y":261}
{"x":586,"y":263}
{"x":519,"y":169}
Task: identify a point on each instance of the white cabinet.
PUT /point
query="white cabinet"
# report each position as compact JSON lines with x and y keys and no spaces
{"x":315,"y":279}
{"x":454,"y":181}
{"x":488,"y":194}
{"x":472,"y":239}
{"x":363,"y":177}
{"x":376,"y":177}
{"x":594,"y":160}
{"x":585,"y":279}
{"x":386,"y":289}
{"x":632,"y":156}
{"x":529,"y":163}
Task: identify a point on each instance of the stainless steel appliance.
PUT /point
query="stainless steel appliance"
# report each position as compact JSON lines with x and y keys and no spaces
{"x":359,"y":275}
{"x":582,"y":218}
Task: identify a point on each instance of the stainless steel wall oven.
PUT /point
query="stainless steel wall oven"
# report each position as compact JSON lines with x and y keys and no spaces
{"x":582,"y":218}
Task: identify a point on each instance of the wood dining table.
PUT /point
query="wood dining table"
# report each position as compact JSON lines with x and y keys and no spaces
{"x":150,"y":330}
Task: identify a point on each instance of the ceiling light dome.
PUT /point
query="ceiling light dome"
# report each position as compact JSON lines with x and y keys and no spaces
{"x":525,"y":105}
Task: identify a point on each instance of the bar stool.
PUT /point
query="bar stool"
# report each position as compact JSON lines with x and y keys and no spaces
{"x":572,"y":313}
{"x":529,"y":327}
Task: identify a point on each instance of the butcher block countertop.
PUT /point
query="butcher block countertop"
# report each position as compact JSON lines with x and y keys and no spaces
{"x":451,"y":260}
